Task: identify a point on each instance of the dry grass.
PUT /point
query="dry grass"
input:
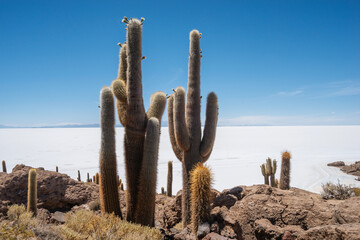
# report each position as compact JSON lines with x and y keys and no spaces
{"x":336,"y":191}
{"x":85,"y":224}
{"x":20,"y":224}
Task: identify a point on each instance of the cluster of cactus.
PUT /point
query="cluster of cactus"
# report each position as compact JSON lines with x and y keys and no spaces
{"x":200,"y":181}
{"x":185,"y":125}
{"x":142,"y":131}
{"x":269,"y":170}
{"x":4,"y":166}
{"x":285,"y":171}
{"x":32,"y":192}
{"x":169,"y":179}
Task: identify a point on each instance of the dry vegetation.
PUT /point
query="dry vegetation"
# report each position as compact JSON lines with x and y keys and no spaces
{"x":336,"y":191}
{"x":82,"y":224}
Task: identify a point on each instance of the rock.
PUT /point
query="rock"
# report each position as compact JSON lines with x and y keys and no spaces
{"x":203,"y":229}
{"x":58,"y":217}
{"x":235,"y":191}
{"x":215,"y":227}
{"x":225,"y":200}
{"x":43,"y":215}
{"x":214,"y":236}
{"x":56,"y":191}
{"x":336,"y":164}
{"x":332,"y":232}
{"x":185,"y":234}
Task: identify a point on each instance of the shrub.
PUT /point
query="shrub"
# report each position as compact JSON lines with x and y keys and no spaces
{"x":336,"y":191}
{"x":85,"y":224}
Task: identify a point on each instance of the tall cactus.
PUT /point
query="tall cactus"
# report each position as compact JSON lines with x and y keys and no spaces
{"x":32,"y":192}
{"x":200,"y":180}
{"x":285,"y":171}
{"x":127,"y":88}
{"x":169,"y":179}
{"x":185,"y":125}
{"x":109,"y":195}
{"x":4,"y":166}
{"x":263,"y":171}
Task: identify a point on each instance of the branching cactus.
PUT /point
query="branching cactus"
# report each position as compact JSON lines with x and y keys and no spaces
{"x":263,"y":171}
{"x":4,"y":166}
{"x":127,"y":88}
{"x":32,"y":192}
{"x":185,"y":125}
{"x":200,"y":180}
{"x":169,"y":179}
{"x":285,"y":171}
{"x":109,"y":195}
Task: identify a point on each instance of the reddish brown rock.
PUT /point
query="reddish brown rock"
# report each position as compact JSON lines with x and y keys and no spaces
{"x":56,"y":191}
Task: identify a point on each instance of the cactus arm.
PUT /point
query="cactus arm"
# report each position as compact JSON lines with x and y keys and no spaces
{"x":193,"y":91}
{"x":181,"y":130}
{"x":135,"y":109}
{"x":207,"y":142}
{"x":118,"y":87}
{"x":109,"y":196}
{"x":122,"y":63}
{"x":175,"y":147}
{"x":146,"y":196}
{"x":157,"y":106}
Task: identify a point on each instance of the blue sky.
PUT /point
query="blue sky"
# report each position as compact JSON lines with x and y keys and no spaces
{"x":270,"y":62}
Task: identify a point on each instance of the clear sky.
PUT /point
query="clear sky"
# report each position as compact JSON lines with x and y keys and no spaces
{"x":270,"y":62}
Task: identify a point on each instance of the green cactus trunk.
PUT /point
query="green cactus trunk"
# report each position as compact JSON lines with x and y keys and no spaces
{"x":169,"y":179}
{"x":4,"y":166}
{"x":32,"y":192}
{"x":128,"y":90}
{"x":109,"y":195}
{"x":145,"y":209}
{"x":200,"y":196}
{"x":185,"y":125}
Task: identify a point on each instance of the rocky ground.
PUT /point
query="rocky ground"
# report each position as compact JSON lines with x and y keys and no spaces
{"x":255,"y":212}
{"x":352,"y":169}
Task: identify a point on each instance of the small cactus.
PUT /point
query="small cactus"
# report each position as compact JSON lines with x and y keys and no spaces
{"x":57,"y":169}
{"x":79,"y":177}
{"x":32,"y":192}
{"x":263,"y":171}
{"x":285,"y":171}
{"x":88,"y":178}
{"x":162,"y":191}
{"x":169,"y":179}
{"x":94,"y":179}
{"x":122,"y":187}
{"x":4,"y":166}
{"x":200,"y":182}
{"x":97,"y":178}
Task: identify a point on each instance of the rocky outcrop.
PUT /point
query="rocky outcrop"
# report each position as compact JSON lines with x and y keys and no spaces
{"x":352,"y":169}
{"x":336,"y":164}
{"x":263,"y":212}
{"x":56,"y":191}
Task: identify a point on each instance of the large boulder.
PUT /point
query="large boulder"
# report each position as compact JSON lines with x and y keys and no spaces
{"x":55,"y":191}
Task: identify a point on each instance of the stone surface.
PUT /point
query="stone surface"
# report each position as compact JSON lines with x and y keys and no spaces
{"x":56,"y":191}
{"x":58,"y":217}
{"x":336,"y":164}
{"x":203,"y":229}
{"x":214,"y":236}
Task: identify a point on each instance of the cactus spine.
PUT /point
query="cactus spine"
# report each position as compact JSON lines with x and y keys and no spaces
{"x":109,"y":195}
{"x":263,"y":171}
{"x":32,"y":192}
{"x":285,"y":171}
{"x":185,"y":125}
{"x":200,"y":180}
{"x":169,"y":179}
{"x":4,"y":166}
{"x":128,"y":90}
